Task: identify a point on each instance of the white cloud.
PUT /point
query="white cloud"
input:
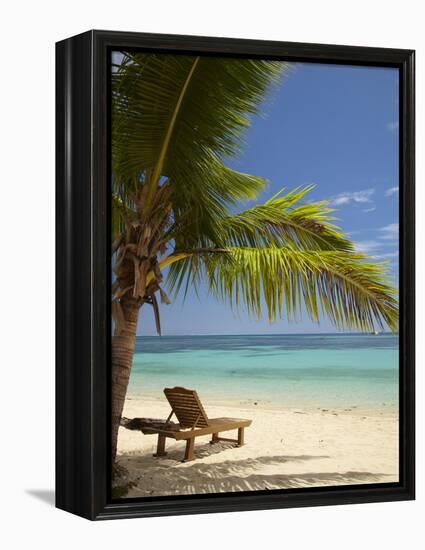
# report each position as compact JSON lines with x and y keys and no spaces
{"x":389,"y":232}
{"x":355,"y":197}
{"x":372,"y":209}
{"x":392,"y":126}
{"x":388,"y":255}
{"x":368,"y":247}
{"x":391,"y":191}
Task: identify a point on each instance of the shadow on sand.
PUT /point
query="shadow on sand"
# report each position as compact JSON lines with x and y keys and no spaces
{"x":168,"y":476}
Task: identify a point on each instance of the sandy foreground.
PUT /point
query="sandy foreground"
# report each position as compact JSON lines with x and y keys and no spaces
{"x":284,"y":448}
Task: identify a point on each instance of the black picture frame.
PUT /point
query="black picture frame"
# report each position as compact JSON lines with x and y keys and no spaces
{"x":83,"y":282}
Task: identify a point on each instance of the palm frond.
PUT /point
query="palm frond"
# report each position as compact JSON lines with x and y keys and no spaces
{"x":282,"y":221}
{"x":121,"y":213}
{"x":179,"y":116}
{"x":347,"y":288}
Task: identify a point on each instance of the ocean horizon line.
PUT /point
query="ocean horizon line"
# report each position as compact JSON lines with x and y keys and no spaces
{"x":384,"y":333}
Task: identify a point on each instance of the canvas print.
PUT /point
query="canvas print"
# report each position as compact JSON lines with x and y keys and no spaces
{"x":254,"y":275}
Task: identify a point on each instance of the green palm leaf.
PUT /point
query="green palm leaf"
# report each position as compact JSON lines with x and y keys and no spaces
{"x":177,"y":117}
{"x":282,"y":221}
{"x":351,"y":291}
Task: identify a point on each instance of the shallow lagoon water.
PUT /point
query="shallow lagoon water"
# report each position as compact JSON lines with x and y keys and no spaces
{"x":334,"y":370}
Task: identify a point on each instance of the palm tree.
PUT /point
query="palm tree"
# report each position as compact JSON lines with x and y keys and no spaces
{"x":177,"y":209}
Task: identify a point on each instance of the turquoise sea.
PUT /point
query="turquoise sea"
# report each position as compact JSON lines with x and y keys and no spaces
{"x":333,"y":370}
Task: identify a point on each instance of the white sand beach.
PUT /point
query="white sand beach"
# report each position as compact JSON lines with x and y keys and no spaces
{"x":284,"y":448}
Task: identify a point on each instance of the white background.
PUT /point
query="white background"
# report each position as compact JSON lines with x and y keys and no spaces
{"x":29,"y":30}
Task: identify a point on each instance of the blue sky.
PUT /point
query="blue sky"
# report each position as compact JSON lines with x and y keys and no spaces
{"x":334,"y":126}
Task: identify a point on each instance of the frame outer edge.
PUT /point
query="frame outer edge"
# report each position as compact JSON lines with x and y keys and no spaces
{"x":407,"y":274}
{"x":74,"y":416}
{"x":82,"y":285}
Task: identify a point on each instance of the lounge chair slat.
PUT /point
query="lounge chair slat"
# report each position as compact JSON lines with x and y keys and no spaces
{"x":187,"y":407}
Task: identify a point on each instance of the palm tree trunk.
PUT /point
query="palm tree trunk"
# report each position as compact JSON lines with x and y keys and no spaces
{"x":122,"y":360}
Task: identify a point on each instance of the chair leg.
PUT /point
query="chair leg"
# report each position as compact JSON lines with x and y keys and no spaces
{"x":160,"y":448}
{"x":188,"y":455}
{"x":241,"y":434}
{"x":214,"y":438}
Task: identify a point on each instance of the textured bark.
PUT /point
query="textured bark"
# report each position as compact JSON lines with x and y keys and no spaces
{"x":138,"y":278}
{"x":122,"y":359}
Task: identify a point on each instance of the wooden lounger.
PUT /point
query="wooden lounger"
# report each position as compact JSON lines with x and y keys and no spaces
{"x":193,"y":422}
